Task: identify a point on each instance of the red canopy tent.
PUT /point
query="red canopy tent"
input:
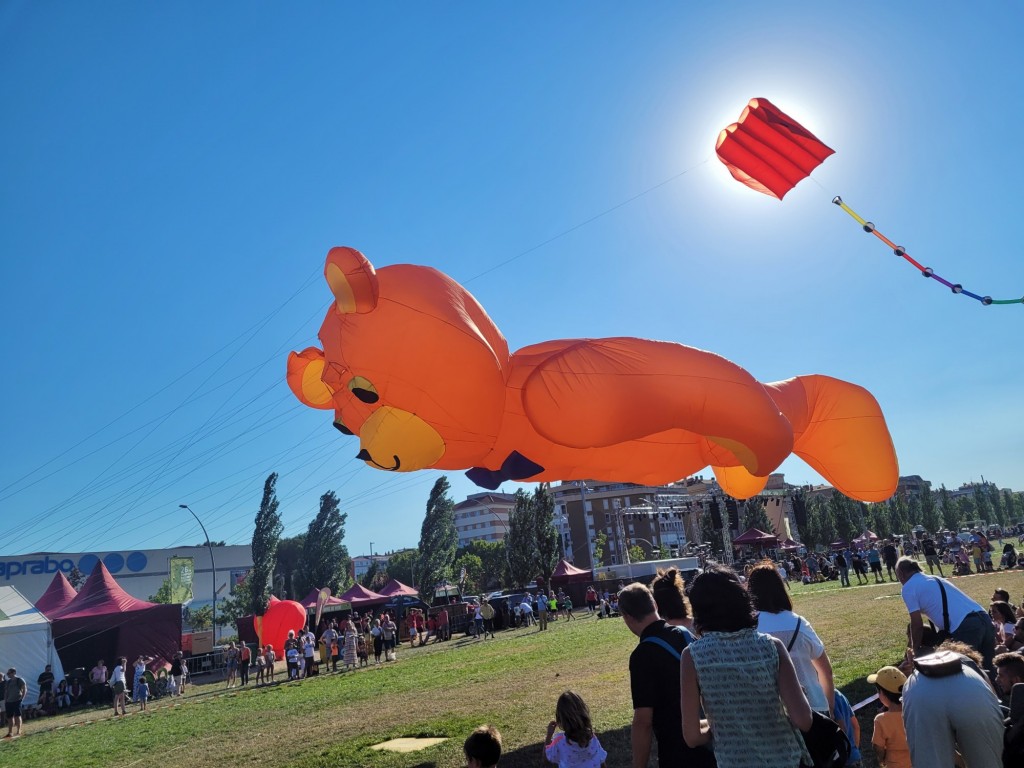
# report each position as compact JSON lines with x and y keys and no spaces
{"x":359,"y":596}
{"x":756,"y":538}
{"x":105,"y":622}
{"x":567,"y":573}
{"x":395,"y":588}
{"x":57,"y":595}
{"x":309,"y":601}
{"x":789,"y":545}
{"x":865,"y":539}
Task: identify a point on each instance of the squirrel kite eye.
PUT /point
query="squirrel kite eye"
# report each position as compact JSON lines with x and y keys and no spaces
{"x":363,"y":389}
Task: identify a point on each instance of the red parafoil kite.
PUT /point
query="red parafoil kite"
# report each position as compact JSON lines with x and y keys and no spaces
{"x":768,"y":150}
{"x":413,"y":365}
{"x":771,"y":152}
{"x":280,"y":617}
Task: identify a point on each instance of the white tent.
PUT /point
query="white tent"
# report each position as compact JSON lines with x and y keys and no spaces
{"x":26,"y":641}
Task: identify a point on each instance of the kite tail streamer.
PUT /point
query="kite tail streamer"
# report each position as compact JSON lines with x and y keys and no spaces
{"x":900,"y":251}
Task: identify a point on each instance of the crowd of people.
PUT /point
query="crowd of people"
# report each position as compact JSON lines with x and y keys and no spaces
{"x":875,"y":561}
{"x":724,"y":674}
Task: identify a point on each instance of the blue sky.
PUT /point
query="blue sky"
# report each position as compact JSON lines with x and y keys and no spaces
{"x":172,"y":175}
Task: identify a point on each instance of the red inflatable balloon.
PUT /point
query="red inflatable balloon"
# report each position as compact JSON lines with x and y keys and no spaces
{"x":281,"y":617}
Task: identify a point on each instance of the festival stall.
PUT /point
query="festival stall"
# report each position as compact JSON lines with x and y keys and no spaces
{"x":104,"y":622}
{"x":572,"y":580}
{"x":752,"y":537}
{"x":395,"y":588}
{"x":26,"y":641}
{"x":360,"y":597}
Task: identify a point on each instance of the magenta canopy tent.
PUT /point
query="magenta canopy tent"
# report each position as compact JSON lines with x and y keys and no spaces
{"x":309,"y":601}
{"x":395,"y":588}
{"x":57,"y":595}
{"x":105,"y":622}
{"x":567,"y":573}
{"x":789,"y":545}
{"x":865,"y":539}
{"x":358,"y":596}
{"x":754,"y":537}
{"x":839,"y":544}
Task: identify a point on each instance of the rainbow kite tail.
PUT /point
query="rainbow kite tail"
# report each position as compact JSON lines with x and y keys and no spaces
{"x":900,"y":251}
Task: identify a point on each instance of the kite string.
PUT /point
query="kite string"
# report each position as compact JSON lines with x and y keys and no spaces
{"x":592,"y":219}
{"x":900,"y":251}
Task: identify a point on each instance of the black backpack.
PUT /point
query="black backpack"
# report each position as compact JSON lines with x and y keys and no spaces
{"x":828,"y":746}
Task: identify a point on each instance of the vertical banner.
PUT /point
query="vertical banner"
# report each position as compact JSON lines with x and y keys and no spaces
{"x":321,"y":601}
{"x":181,"y":571}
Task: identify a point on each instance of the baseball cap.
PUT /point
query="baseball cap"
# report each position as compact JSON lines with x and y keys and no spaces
{"x":888,"y":678}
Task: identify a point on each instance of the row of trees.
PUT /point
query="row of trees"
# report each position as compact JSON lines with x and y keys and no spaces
{"x":839,"y":517}
{"x":286,"y":567}
{"x":531,"y":549}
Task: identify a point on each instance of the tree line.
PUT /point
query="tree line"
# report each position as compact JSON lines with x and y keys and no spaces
{"x":289,"y":567}
{"x":839,"y":517}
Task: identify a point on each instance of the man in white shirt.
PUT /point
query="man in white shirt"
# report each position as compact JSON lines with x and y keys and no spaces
{"x":967,"y":621}
{"x":526,"y":611}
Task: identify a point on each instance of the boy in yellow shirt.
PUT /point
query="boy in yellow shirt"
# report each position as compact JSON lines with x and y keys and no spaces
{"x":890,"y":737}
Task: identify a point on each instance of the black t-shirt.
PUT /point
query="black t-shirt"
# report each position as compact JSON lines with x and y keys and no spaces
{"x":889,"y":553}
{"x":654,"y":683}
{"x":929,"y":547}
{"x":45,"y":682}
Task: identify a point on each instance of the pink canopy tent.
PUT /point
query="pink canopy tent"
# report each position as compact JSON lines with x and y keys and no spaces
{"x":57,"y":595}
{"x":756,"y":538}
{"x":395,"y":588}
{"x":359,"y":596}
{"x":789,"y":545}
{"x":567,"y":573}
{"x":309,"y":601}
{"x":865,"y":539}
{"x":105,"y":622}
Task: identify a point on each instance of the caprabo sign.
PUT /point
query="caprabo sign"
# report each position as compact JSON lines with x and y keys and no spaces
{"x":40,"y":565}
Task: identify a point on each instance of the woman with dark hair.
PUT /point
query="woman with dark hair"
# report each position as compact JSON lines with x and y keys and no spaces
{"x":745,"y":679}
{"x":669,"y":593}
{"x":1004,"y":620}
{"x":776,"y":618}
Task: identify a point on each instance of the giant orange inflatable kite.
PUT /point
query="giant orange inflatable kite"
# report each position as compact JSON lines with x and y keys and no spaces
{"x":413,"y":365}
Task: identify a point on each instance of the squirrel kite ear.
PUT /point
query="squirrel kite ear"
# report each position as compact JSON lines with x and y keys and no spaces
{"x":352,"y":280}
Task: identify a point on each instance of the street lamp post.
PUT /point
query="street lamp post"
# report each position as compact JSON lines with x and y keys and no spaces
{"x":213,"y":566}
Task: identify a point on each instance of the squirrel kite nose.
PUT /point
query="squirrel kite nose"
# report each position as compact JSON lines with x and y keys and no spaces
{"x":364,"y":455}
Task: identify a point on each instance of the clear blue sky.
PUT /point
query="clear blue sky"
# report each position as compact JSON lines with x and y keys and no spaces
{"x":172,"y":175}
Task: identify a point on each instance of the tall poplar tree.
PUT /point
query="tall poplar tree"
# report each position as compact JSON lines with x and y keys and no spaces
{"x":545,"y":534}
{"x":265,"y":537}
{"x":438,"y":540}
{"x":325,"y":560}
{"x":521,"y":542}
{"x":931,"y":517}
{"x":756,"y":516}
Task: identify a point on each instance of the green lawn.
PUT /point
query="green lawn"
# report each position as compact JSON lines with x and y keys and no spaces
{"x":446,"y":690}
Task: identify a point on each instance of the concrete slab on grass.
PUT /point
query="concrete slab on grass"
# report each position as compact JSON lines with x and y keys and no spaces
{"x":407,"y":744}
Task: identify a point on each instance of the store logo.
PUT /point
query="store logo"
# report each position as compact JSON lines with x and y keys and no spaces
{"x":114,"y":561}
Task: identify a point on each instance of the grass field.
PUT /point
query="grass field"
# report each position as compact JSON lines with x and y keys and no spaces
{"x":446,"y":690}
